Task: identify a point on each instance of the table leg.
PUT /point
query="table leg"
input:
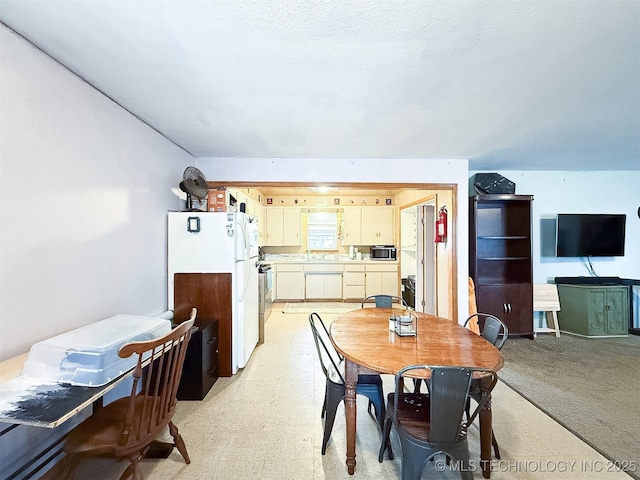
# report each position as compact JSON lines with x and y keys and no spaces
{"x":97,"y":404}
{"x":485,"y":438}
{"x":351,"y":379}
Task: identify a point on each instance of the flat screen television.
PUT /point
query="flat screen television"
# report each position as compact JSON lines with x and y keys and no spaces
{"x":590,"y":235}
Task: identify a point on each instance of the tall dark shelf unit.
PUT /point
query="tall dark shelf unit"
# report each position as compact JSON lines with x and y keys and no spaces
{"x":500,"y":259}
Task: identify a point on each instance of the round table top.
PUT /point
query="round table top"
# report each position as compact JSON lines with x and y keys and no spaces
{"x":363,"y":337}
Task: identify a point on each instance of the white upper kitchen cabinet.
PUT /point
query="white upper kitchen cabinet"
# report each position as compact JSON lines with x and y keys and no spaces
{"x":368,"y":226}
{"x":352,"y":226}
{"x":283,"y":226}
{"x":262,"y":223}
{"x":377,"y":226}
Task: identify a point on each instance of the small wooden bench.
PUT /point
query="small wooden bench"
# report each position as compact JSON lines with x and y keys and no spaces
{"x":545,"y":299}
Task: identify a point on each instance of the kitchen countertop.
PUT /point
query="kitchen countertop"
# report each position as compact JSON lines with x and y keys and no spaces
{"x":318,"y":260}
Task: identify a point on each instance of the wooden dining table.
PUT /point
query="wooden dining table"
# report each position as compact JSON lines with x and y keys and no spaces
{"x":368,"y":345}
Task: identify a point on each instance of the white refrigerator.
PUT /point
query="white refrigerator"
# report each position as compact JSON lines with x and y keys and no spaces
{"x":220,"y":242}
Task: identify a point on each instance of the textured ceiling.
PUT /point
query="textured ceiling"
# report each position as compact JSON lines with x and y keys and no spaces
{"x":531,"y":85}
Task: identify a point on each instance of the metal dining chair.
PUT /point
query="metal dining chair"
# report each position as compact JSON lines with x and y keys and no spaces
{"x":496,"y":332}
{"x":433,"y":423}
{"x":385,"y":301}
{"x":492,"y":329}
{"x":332,"y":365}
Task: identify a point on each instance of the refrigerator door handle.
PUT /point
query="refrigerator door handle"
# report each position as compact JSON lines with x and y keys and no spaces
{"x":245,"y":237}
{"x":243,"y":264}
{"x":244,"y":260}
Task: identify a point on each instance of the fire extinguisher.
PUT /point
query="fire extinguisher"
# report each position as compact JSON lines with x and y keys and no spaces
{"x":441,"y":226}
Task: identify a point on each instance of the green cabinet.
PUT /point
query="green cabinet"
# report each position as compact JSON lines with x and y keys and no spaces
{"x":594,"y":310}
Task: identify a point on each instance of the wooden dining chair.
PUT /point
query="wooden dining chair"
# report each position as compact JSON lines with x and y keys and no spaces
{"x":473,"y":323}
{"x":126,"y":428}
{"x":332,"y":365}
{"x":492,"y":329}
{"x":433,"y":423}
{"x":385,"y":301}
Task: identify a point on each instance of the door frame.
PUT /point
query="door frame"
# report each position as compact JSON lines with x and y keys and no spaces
{"x":443,"y":193}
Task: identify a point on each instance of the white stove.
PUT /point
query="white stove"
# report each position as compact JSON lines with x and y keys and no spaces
{"x":265,"y":297}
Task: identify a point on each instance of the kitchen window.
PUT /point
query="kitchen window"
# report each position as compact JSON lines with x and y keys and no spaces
{"x":322,"y":231}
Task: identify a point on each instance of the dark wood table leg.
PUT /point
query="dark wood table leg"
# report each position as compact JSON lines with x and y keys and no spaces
{"x":351,"y":379}
{"x":485,"y":438}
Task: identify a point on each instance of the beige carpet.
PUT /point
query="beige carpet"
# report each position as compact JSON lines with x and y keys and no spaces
{"x":320,"y":307}
{"x":591,"y":386}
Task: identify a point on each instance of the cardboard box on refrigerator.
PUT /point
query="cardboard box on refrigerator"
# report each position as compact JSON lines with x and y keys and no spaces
{"x":217,"y":200}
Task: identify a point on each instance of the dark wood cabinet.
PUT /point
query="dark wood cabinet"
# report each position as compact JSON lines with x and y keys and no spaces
{"x":500,"y":258}
{"x":210,"y":293}
{"x":200,"y":369}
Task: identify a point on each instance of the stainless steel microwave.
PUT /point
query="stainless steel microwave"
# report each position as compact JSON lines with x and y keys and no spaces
{"x":383,"y":252}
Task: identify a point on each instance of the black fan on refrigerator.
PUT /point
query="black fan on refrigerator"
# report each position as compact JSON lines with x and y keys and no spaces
{"x":194,"y":184}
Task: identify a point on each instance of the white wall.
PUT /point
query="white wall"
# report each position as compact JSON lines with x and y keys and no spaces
{"x":582,"y":192}
{"x":85,"y":187}
{"x":84,"y":191}
{"x":449,"y":171}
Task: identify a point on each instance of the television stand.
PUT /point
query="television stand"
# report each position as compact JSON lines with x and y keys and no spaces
{"x":633,"y":292}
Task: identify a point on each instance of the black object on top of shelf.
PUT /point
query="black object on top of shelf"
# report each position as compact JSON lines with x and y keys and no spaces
{"x":493,"y":183}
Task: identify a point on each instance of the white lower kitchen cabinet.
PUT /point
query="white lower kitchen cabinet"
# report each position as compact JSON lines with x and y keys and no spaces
{"x":353,"y":282}
{"x":334,"y":281}
{"x":323,"y":286}
{"x":323,"y":281}
{"x":382,"y":279}
{"x":289,"y":282}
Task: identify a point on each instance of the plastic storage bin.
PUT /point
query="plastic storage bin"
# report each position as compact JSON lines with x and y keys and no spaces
{"x":88,"y":356}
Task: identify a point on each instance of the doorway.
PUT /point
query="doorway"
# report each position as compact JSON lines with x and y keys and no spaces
{"x":418,"y":256}
{"x":404,"y":195}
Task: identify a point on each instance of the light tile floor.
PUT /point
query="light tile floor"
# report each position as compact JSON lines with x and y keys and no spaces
{"x":264,"y":423}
